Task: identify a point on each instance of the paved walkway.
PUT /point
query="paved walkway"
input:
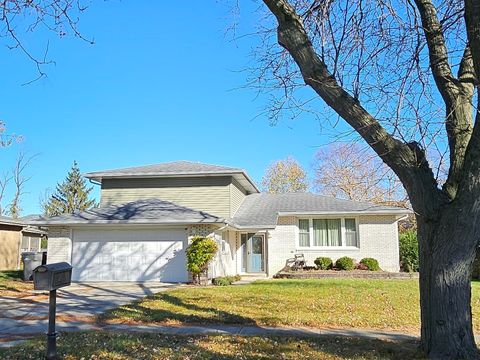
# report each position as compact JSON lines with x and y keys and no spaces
{"x":217,"y":330}
{"x":77,"y":305}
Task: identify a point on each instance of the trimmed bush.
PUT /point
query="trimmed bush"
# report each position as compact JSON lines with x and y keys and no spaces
{"x":226,"y":280}
{"x":345,"y":263}
{"x":409,"y":251}
{"x":200,"y":252}
{"x":370,"y":263}
{"x":323,"y":263}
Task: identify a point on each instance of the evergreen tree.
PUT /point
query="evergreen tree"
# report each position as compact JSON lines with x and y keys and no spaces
{"x":70,"y":195}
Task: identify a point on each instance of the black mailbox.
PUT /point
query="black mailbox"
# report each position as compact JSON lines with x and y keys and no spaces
{"x":52,"y":276}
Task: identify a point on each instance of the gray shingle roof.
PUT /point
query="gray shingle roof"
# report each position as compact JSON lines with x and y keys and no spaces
{"x":169,"y":168}
{"x":151,"y":211}
{"x":6,"y":220}
{"x":262,"y":210}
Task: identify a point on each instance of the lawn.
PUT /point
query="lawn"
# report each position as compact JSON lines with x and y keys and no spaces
{"x":122,"y":346}
{"x":11,"y":283}
{"x":344,"y":303}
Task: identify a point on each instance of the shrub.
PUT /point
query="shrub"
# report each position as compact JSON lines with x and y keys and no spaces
{"x":199,"y":254}
{"x":345,"y":263}
{"x":323,"y":263}
{"x":226,"y":280}
{"x":370,"y":263}
{"x":409,"y":251}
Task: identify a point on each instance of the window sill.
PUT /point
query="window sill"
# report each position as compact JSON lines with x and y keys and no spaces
{"x":328,"y":248}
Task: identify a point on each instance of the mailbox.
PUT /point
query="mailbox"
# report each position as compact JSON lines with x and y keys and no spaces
{"x":52,"y":276}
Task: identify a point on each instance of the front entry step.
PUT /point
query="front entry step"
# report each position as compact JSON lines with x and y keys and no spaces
{"x":249,"y":278}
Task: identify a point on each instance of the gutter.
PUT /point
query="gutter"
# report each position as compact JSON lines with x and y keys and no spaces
{"x":352,"y":213}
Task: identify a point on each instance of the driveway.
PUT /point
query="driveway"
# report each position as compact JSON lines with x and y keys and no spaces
{"x":76,"y":306}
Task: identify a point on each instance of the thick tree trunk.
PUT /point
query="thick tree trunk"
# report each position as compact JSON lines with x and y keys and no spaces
{"x":447,"y":252}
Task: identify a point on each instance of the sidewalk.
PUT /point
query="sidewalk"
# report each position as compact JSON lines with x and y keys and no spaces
{"x":16,"y":334}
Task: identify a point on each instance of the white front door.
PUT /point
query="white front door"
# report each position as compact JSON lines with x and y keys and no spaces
{"x":129,"y":255}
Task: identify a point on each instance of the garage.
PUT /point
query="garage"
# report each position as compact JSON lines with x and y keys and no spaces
{"x":156,"y":254}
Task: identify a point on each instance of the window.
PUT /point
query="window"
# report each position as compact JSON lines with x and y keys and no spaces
{"x":304,"y":232}
{"x":351,"y":232}
{"x":327,"y":232}
{"x":224,"y":242}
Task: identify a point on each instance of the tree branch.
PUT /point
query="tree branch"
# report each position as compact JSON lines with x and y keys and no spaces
{"x":406,"y":160}
{"x":471,"y":181}
{"x":438,"y":52}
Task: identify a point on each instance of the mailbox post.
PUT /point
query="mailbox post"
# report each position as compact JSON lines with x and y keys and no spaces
{"x":52,"y":277}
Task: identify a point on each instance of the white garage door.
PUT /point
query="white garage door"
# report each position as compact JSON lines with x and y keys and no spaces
{"x":129,"y":255}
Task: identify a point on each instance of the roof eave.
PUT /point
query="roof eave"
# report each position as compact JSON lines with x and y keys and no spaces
{"x":352,"y":213}
{"x":125,"y":222}
{"x":98,"y":177}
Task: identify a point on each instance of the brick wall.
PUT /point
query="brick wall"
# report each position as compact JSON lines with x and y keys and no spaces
{"x":378,"y":238}
{"x":59,"y":245}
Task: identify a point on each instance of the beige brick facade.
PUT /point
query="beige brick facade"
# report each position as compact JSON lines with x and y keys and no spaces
{"x":378,"y":238}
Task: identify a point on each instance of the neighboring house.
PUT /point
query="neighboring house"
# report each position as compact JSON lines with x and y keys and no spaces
{"x":17,"y":237}
{"x":147,"y":214}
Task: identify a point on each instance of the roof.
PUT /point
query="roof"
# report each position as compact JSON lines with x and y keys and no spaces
{"x":262,"y":210}
{"x":22,"y":223}
{"x":6,"y":220}
{"x":151,"y":211}
{"x":177,"y":169}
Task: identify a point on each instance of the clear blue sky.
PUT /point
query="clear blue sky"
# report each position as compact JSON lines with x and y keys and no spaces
{"x":158,"y":85}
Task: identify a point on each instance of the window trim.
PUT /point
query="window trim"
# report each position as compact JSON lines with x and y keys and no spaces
{"x":342,"y":233}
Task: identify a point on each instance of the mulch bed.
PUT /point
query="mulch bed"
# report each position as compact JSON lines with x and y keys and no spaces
{"x":359,"y":274}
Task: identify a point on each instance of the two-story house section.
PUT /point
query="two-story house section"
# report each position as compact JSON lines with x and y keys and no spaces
{"x":147,"y":215}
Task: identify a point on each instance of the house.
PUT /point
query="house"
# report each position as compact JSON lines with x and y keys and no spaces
{"x":147,"y":214}
{"x":16,"y":237}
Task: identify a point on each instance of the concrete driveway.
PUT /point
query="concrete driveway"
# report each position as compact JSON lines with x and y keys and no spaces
{"x":77,"y":306}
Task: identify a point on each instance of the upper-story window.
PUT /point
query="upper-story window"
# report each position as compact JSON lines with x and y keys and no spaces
{"x":340,"y":232}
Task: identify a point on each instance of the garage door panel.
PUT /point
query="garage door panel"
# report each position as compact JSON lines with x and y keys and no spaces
{"x":129,"y":255}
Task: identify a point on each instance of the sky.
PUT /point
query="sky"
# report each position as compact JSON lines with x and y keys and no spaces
{"x":162,"y":82}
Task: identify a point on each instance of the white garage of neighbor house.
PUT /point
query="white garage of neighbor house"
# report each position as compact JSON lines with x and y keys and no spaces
{"x":147,"y":215}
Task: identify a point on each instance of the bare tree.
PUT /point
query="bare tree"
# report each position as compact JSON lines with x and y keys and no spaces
{"x":4,"y":181}
{"x":24,"y":16}
{"x":284,"y":176}
{"x":346,"y":170}
{"x":402,"y":74}
{"x":19,"y":179}
{"x":7,"y":139}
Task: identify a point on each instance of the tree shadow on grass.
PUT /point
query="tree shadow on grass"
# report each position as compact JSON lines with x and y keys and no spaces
{"x":195,"y":314}
{"x":108,"y":345}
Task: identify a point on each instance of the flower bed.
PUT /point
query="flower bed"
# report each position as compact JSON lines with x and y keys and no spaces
{"x":323,"y":274}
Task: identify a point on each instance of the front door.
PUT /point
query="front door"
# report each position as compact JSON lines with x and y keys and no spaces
{"x":255,"y":256}
{"x":253,"y":247}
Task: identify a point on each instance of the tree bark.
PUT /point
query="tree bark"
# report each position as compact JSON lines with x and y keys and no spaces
{"x":447,"y":252}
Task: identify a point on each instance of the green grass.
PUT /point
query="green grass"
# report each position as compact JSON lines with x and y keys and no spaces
{"x":123,"y":346}
{"x":374,"y":304}
{"x":11,"y":283}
